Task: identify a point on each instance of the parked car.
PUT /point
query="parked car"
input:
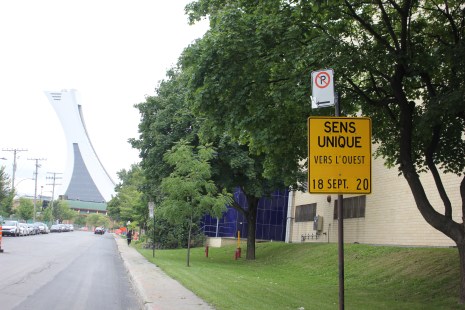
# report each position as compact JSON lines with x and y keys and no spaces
{"x":38,"y":228}
{"x":10,"y":228}
{"x":55,"y":228}
{"x":43,"y":228}
{"x":33,"y":229}
{"x":23,"y":229}
{"x":30,"y":229}
{"x":99,"y":230}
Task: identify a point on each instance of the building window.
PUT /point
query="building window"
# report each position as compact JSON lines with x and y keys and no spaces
{"x":354,"y":207}
{"x":305,"y":213}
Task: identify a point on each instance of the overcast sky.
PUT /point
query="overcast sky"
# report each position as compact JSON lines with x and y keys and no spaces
{"x":114,"y":52}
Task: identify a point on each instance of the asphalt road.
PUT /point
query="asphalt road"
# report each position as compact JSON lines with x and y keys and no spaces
{"x":72,"y":270}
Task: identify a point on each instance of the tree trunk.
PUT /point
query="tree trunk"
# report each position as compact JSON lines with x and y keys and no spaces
{"x":461,"y":248}
{"x":251,"y":227}
{"x":189,"y":243}
{"x":444,"y":224}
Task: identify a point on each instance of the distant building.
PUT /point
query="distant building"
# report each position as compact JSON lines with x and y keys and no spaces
{"x":86,"y":207}
{"x":271,"y":218}
{"x":85,"y":178}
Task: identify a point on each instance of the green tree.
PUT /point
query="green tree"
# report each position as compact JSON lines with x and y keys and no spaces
{"x":168,"y":118}
{"x":129,"y":203}
{"x":6,"y":197}
{"x":80,"y":220}
{"x":92,"y":220}
{"x":237,"y":168}
{"x":403,"y":64}
{"x":46,"y":216}
{"x":61,"y":211}
{"x":4,"y":184}
{"x":249,"y":78}
{"x":171,"y":236}
{"x":188,"y":193}
{"x":165,"y":119}
{"x":399,"y":62}
{"x":249,"y":85}
{"x":97,"y":219}
{"x":25,"y":209}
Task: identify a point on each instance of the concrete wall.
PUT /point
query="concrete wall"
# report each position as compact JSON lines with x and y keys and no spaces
{"x":391,"y":216}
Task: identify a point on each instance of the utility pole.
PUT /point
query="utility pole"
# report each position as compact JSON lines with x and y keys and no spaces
{"x":54,"y":178}
{"x":41,"y":191}
{"x":15,"y":151}
{"x":36,"y":173}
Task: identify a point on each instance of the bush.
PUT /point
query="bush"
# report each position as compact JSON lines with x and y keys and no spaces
{"x":169,"y":236}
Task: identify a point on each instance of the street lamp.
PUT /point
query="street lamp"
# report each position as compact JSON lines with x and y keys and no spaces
{"x":23,"y":180}
{"x":151,"y":215}
{"x":15,"y":152}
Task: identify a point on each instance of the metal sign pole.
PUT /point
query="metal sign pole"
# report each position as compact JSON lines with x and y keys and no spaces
{"x":340,"y":227}
{"x":153,"y":249}
{"x":323,"y":95}
{"x":152,"y":215}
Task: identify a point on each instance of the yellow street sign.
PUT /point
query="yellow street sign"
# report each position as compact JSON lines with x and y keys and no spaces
{"x":339,"y":155}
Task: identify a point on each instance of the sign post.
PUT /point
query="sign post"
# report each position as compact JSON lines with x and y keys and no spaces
{"x":339,"y":155}
{"x":151,"y":215}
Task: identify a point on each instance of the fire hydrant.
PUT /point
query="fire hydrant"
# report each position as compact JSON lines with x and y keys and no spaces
{"x":237,"y":254}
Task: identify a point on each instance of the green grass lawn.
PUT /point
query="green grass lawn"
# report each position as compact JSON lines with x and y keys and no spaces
{"x":293,"y":276}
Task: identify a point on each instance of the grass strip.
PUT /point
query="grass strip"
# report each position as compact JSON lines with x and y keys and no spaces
{"x":305,"y":276}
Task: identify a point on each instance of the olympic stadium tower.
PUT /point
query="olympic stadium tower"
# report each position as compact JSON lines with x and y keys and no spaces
{"x":85,"y":178}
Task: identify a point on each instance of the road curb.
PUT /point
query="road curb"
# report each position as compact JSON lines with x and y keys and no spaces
{"x":137,"y":285}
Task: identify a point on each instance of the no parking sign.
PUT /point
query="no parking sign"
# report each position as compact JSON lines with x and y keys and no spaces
{"x":322,"y":88}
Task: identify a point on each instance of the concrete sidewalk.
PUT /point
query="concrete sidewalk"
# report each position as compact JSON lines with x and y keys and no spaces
{"x":156,"y":291}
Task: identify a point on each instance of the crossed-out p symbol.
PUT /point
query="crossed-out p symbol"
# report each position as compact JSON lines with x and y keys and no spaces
{"x":322,"y":80}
